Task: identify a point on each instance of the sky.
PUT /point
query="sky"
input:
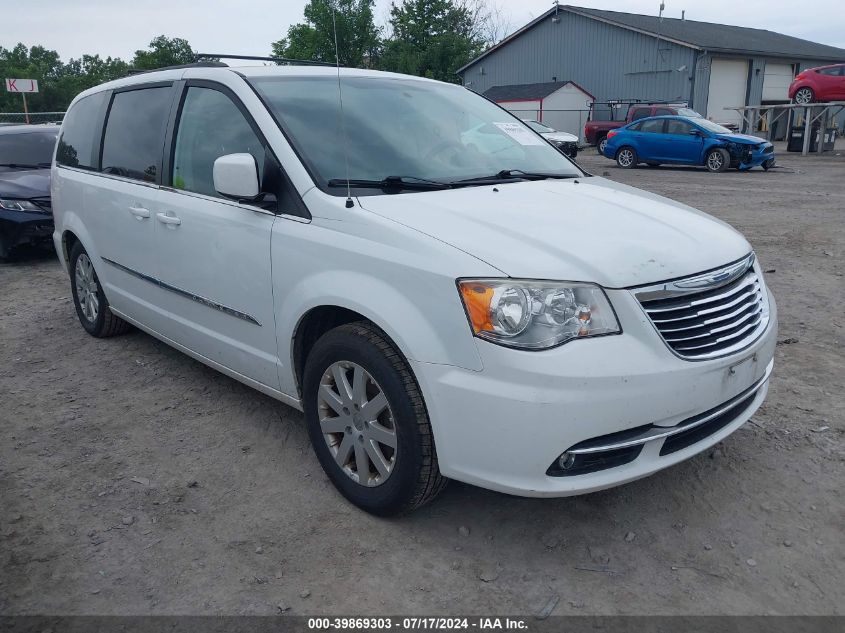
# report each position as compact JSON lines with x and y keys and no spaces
{"x":119,"y":27}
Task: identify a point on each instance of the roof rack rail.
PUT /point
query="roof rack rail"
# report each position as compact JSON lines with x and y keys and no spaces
{"x":277,"y":60}
{"x":198,"y":64}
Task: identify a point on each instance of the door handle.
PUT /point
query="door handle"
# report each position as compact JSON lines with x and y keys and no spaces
{"x":168,"y":219}
{"x":139,"y":212}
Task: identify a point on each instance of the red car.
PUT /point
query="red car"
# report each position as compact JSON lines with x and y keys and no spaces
{"x":825,"y":83}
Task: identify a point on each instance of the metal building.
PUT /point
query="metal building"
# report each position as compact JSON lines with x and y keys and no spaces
{"x":626,"y":57}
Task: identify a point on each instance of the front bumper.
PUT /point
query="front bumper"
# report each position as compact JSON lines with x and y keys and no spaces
{"x":756,"y":158}
{"x":504,"y":427}
{"x":23,"y":227}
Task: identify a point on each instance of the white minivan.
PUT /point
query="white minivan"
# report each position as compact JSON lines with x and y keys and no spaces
{"x":437,"y":310}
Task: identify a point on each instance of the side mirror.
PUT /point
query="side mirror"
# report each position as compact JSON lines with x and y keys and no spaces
{"x":236,"y":177}
{"x":695,"y":132}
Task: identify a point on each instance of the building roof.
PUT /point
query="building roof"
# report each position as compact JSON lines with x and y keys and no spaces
{"x":717,"y":38}
{"x":528,"y":92}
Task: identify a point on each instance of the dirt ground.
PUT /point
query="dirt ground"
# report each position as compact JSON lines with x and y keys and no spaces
{"x":134,"y":480}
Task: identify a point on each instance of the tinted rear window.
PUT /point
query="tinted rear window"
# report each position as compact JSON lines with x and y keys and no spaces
{"x":79,"y":142}
{"x":28,"y":148}
{"x":135,"y":133}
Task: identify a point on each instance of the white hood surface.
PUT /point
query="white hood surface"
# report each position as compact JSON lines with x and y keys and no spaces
{"x":589,"y":229}
{"x":561,"y":137}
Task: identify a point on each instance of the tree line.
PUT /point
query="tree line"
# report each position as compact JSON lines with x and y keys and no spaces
{"x":428,"y":38}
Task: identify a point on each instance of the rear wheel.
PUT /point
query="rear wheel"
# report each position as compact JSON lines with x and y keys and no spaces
{"x":90,"y":301}
{"x":717,"y":160}
{"x":626,"y":157}
{"x":804,"y":96}
{"x":368,"y":423}
{"x":601,"y":145}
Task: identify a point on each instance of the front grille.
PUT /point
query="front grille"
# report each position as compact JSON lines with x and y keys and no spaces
{"x":713,"y":322}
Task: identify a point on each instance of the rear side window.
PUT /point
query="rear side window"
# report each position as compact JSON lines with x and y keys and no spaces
{"x":210,"y":126}
{"x":79,"y":143}
{"x":134,"y":137}
{"x":831,"y":72}
{"x":654,"y":126}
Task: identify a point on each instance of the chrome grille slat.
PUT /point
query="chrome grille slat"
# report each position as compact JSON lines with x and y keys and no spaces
{"x":691,"y":304}
{"x":708,"y":321}
{"x":716,"y":330}
{"x":720,"y":340}
{"x":701,"y":323}
{"x":741,"y":299}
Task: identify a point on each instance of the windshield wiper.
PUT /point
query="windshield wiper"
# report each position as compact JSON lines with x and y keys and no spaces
{"x":515,"y":174}
{"x":392,"y":182}
{"x":25,"y":165}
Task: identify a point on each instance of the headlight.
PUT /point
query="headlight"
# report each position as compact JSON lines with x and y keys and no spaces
{"x":19,"y":205}
{"x":536,"y":314}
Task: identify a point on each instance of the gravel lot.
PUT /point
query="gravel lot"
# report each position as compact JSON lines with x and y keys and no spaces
{"x":134,"y":480}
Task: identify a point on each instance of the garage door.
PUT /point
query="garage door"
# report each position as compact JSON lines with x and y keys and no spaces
{"x":728,"y":84}
{"x":776,"y":81}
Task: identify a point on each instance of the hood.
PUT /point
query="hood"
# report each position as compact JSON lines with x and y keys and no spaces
{"x":586,"y":230}
{"x":745,"y":139}
{"x":25,"y":183}
{"x":561,"y":137}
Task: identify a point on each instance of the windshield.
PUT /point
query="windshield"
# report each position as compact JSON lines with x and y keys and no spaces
{"x":539,"y":127}
{"x":712,"y":127}
{"x":28,"y":148}
{"x":403,"y":127}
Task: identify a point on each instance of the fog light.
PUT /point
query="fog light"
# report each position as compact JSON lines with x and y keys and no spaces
{"x":566,"y":461}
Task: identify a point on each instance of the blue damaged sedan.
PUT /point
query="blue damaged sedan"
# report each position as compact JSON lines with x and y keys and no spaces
{"x":681,"y":140}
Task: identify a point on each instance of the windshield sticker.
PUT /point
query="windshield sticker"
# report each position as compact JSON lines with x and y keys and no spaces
{"x":520,"y":133}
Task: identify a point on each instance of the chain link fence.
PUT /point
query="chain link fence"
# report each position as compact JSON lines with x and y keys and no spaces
{"x":17,"y":118}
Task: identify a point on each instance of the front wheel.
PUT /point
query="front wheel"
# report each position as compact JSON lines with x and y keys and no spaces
{"x":626,"y":157}
{"x":804,"y":96}
{"x":717,"y":160}
{"x":767,"y":165}
{"x":90,"y":301}
{"x":368,"y":423}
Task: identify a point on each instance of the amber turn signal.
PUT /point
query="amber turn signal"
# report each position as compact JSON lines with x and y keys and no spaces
{"x":477,"y":297}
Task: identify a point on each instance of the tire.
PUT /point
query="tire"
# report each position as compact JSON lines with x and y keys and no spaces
{"x":95,"y":315}
{"x":768,"y":164}
{"x":413,"y":478}
{"x":717,"y":160}
{"x":601,"y":144}
{"x":804,"y":96}
{"x":626,"y":157}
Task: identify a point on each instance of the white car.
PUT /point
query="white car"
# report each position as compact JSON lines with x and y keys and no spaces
{"x":565,"y":142}
{"x":438,"y":312}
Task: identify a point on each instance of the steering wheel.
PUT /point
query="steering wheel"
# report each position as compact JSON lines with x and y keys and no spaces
{"x":440,"y":147}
